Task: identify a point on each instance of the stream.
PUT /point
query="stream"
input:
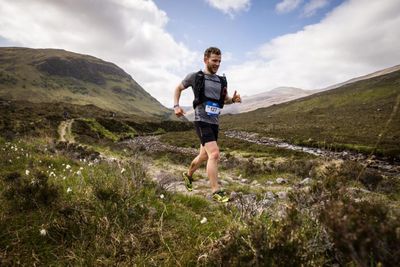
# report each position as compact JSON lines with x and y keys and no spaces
{"x":369,"y":161}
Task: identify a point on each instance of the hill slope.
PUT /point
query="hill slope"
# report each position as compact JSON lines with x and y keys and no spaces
{"x":52,"y":75}
{"x":266,"y":99}
{"x":351,"y":116}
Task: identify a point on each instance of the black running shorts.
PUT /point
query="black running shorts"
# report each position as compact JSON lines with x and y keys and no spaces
{"x":207,"y":132}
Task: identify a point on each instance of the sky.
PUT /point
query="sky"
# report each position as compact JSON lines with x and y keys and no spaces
{"x":309,"y":44}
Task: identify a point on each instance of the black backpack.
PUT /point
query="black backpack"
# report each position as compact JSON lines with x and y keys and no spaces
{"x":199,"y":96}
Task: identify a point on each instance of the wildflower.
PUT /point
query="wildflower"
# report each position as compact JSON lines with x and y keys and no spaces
{"x":162,"y":196}
{"x":204,"y":220}
{"x":64,"y":177}
{"x":52,"y":174}
{"x":123,"y":170}
{"x":43,"y":232}
{"x":27,"y":172}
{"x":69,"y":190}
{"x":79,"y":172}
{"x":90,"y":164}
{"x":68,"y":167}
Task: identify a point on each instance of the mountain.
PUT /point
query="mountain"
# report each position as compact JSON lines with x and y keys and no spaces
{"x":54,"y":75}
{"x":262,"y":100}
{"x":363,"y":115}
{"x":364,"y":77}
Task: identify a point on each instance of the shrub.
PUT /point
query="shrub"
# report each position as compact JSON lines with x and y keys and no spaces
{"x":365,"y":232}
{"x":24,"y":193}
{"x":295,"y":240}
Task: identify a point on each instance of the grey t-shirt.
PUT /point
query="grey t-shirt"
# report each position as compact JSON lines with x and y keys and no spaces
{"x":212,"y":89}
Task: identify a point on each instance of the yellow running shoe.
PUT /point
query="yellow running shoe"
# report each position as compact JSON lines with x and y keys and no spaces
{"x":220,"y":196}
{"x":188,"y":181}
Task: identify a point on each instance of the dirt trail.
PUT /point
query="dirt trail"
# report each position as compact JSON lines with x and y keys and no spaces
{"x":245,"y":194}
{"x":65,"y":132}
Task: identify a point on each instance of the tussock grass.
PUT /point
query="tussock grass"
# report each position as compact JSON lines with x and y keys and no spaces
{"x":58,"y":210}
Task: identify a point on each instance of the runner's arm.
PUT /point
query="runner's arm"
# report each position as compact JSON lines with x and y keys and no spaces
{"x":179,"y":112}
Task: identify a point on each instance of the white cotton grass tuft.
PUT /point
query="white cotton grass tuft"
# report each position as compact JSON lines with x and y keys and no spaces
{"x":204,"y":220}
{"x":43,"y":232}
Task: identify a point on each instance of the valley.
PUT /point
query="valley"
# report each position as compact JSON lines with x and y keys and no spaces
{"x":312,"y":182}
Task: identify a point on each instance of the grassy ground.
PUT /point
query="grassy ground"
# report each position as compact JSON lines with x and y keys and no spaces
{"x":57,"y":210}
{"x":64,"y":204}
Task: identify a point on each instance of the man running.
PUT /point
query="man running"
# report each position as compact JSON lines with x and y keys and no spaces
{"x":210,"y":92}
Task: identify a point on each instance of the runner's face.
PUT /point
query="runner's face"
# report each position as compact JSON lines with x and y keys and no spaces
{"x":212,"y":63}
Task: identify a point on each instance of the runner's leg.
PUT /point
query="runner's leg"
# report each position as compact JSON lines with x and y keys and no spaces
{"x":212,"y":150}
{"x":198,"y":161}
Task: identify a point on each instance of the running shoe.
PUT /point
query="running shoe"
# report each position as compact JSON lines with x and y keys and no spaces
{"x":220,"y":196}
{"x":188,"y":181}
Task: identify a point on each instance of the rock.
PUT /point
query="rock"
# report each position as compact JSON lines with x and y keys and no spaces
{"x":306,"y":181}
{"x":269,"y":195}
{"x":269,"y":183}
{"x":224,"y":182}
{"x":282,"y":195}
{"x":280,"y":180}
{"x":306,"y":189}
{"x":233,"y":195}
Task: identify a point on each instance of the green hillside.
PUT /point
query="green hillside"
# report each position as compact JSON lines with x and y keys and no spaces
{"x":53,"y":75}
{"x":355,"y":116}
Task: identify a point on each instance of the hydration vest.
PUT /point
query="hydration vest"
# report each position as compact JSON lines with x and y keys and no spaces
{"x":199,"y":95}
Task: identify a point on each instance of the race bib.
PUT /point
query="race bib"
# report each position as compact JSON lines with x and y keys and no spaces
{"x":212,"y":109}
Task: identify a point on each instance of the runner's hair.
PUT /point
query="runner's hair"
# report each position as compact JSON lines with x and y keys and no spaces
{"x":212,"y":50}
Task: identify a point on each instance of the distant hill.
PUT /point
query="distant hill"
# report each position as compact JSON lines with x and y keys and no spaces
{"x":351,"y":116}
{"x":266,"y":99}
{"x":262,"y":100}
{"x":53,"y":75}
{"x":364,"y":77}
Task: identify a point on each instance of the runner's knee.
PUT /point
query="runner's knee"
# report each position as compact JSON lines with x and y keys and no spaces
{"x":214,"y":155}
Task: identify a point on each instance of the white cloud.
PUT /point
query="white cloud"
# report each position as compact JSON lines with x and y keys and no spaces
{"x":311,"y":7}
{"x":356,"y":38}
{"x":129,"y":33}
{"x":230,"y":6}
{"x":287,"y":6}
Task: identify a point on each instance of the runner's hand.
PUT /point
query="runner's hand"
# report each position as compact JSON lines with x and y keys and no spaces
{"x":236,"y":98}
{"x":179,"y":111}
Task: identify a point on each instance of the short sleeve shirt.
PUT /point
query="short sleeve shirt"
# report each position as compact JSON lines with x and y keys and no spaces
{"x":212,"y":89}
